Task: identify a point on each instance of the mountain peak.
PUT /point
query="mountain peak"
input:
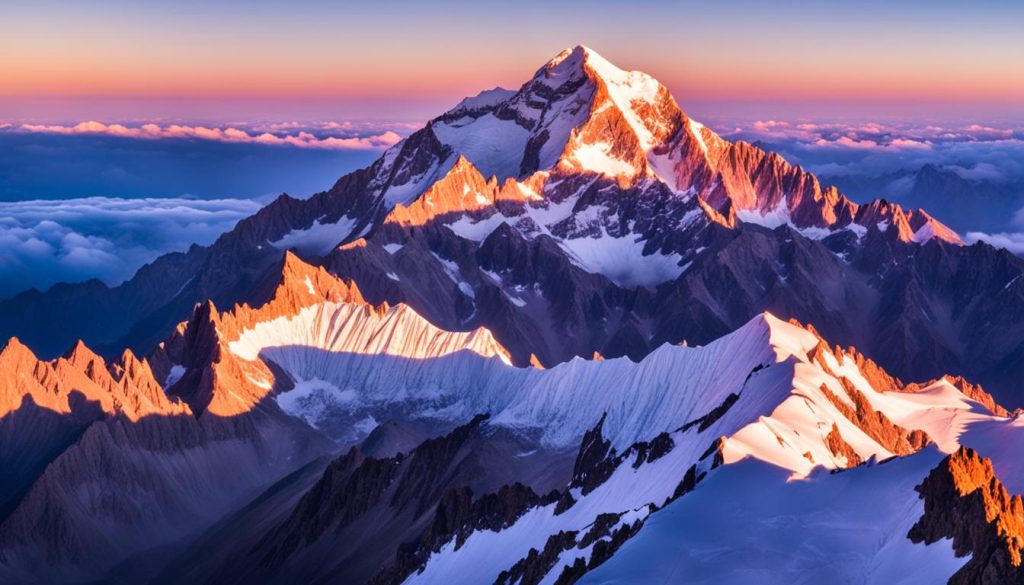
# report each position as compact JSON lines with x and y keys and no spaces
{"x":579,"y":57}
{"x":16,"y":351}
{"x":568,"y":60}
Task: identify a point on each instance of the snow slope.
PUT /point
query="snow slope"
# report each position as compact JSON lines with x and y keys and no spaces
{"x":771,"y":435}
{"x":398,"y":359}
{"x":847,"y":528}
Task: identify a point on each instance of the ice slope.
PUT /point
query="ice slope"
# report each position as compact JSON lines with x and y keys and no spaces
{"x":495,"y":146}
{"x":397,"y":359}
{"x":843,"y":528}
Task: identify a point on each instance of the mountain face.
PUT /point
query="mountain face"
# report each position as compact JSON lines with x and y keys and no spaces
{"x":561,"y":334}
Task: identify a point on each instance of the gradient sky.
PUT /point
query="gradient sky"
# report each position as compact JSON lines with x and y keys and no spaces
{"x":406,"y":59}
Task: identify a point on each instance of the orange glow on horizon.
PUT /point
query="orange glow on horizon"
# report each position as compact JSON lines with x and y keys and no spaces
{"x":738,"y":83}
{"x":872,"y":52}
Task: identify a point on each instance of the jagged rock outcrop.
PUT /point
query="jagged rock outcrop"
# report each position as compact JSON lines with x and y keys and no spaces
{"x":875,"y":424}
{"x":456,"y":516}
{"x":45,"y":406}
{"x":965,"y":501}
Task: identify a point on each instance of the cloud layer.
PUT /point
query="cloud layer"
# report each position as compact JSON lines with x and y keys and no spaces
{"x":44,"y":242}
{"x":1012,"y":241}
{"x":300,"y":138}
{"x":975,"y":151}
{"x":98,"y":200}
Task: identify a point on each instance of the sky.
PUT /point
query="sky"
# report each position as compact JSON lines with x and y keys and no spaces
{"x":129,"y":129}
{"x":409,"y":59}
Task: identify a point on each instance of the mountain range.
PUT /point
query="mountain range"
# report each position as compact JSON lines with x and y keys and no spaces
{"x":965,"y":204}
{"x":557,"y":335}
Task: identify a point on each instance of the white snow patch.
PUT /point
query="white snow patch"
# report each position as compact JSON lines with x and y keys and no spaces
{"x":495,"y":147}
{"x":514,"y":299}
{"x":770,"y":219}
{"x":467,"y":289}
{"x":622,"y":260}
{"x":366,"y":425}
{"x":177,"y":371}
{"x":476,"y":231}
{"x":924,"y":233}
{"x":597,"y":158}
{"x":695,"y":129}
{"x":319,"y":238}
{"x":450,"y":267}
{"x":311,"y":399}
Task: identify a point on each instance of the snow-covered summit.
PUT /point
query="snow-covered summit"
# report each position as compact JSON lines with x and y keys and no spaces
{"x":581,"y":116}
{"x":485,"y":99}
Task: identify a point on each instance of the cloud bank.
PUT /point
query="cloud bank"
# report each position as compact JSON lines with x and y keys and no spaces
{"x":45,"y":242}
{"x":300,"y":138}
{"x":975,"y":151}
{"x":1012,"y":241}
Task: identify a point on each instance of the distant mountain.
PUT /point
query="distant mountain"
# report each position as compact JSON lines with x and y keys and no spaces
{"x":965,"y":205}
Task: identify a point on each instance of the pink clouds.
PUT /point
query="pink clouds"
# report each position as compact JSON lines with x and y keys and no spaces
{"x":847,"y":142}
{"x":300,"y":139}
{"x":870,"y":135}
{"x":981,"y":152}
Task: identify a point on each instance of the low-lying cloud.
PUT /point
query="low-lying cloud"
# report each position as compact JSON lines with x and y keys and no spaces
{"x":975,"y":151}
{"x":278,"y":136}
{"x":45,"y":242}
{"x":1012,"y":241}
